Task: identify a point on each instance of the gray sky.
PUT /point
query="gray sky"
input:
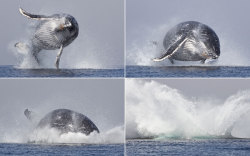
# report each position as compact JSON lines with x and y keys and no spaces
{"x":224,"y":16}
{"x":229,"y":19}
{"x":101,"y":28}
{"x":207,"y":88}
{"x":101,"y":100}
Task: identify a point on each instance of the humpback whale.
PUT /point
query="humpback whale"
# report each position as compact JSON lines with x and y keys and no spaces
{"x":190,"y":41}
{"x":52,"y":32}
{"x":65,"y":121}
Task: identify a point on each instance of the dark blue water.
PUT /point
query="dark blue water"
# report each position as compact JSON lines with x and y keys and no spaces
{"x":10,"y":71}
{"x":62,"y":149}
{"x":188,"y":71}
{"x":200,"y":147}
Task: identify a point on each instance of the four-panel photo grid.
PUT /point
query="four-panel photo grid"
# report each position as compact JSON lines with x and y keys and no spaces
{"x":125,"y":77}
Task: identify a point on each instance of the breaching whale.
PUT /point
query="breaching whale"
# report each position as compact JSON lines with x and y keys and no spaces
{"x":190,"y":41}
{"x":65,"y":121}
{"x":52,"y":32}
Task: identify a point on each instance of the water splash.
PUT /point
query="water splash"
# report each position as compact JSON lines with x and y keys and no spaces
{"x":154,"y":110}
{"x":51,"y":135}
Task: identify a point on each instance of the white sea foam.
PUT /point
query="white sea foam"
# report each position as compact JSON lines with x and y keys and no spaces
{"x":156,"y":110}
{"x":51,"y":135}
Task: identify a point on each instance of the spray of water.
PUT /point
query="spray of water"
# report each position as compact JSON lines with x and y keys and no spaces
{"x":51,"y":135}
{"x":156,"y":110}
{"x":142,"y":50}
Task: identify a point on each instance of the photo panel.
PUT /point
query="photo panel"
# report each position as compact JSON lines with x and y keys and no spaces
{"x":62,"y":38}
{"x":187,"y":116}
{"x":69,"y":116}
{"x":187,"y":38}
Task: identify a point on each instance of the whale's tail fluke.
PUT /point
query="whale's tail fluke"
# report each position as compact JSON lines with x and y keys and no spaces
{"x":33,"y":16}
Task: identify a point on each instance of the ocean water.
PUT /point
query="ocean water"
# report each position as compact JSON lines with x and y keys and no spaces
{"x":222,"y":147}
{"x":11,"y":71}
{"x":62,"y":149}
{"x":187,"y":71}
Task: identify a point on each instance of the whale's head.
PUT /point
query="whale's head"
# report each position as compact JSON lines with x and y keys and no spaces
{"x":214,"y":55}
{"x":71,"y":25}
{"x":213,"y":43}
{"x":66,"y":26}
{"x":215,"y":52}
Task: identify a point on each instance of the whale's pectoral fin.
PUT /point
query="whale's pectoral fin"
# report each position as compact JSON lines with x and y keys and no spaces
{"x":28,"y":114}
{"x":172,"y":50}
{"x":58,"y":57}
{"x":33,"y":16}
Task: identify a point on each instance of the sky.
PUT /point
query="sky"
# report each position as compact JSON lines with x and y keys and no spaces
{"x":101,"y":100}
{"x":145,"y":19}
{"x":101,"y":34}
{"x":206,"y":88}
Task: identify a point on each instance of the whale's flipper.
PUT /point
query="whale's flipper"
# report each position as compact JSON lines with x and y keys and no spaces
{"x":28,"y":114}
{"x":58,"y":57}
{"x":33,"y":16}
{"x":32,"y":116}
{"x":172,"y":50}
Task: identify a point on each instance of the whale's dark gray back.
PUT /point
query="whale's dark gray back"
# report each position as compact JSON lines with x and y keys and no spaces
{"x":191,"y":29}
{"x":68,"y":121}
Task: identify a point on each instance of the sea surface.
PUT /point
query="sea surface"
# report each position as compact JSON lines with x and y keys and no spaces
{"x":11,"y":71}
{"x":198,"y":147}
{"x":188,"y":71}
{"x":62,"y":149}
